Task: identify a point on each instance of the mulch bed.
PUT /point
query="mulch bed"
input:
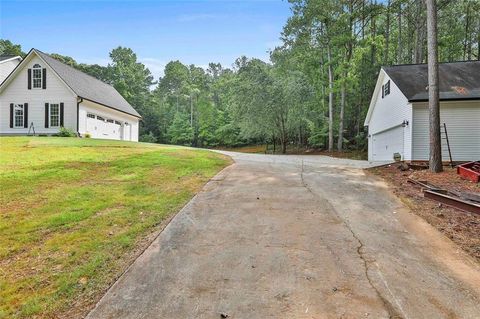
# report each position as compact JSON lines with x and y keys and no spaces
{"x":461,"y":227}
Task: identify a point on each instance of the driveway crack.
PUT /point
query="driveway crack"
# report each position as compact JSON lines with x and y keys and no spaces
{"x":392,"y":312}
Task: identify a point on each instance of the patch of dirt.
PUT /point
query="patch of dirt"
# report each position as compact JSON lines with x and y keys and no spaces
{"x":461,"y":227}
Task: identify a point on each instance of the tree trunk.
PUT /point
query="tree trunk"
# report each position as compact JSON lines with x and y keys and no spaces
{"x":387,"y":35}
{"x":274,"y":144}
{"x":330,"y":99}
{"x":478,"y":42}
{"x":419,"y":28}
{"x":340,"y":123}
{"x":467,"y":35}
{"x":399,"y":49}
{"x":433,"y":94}
{"x":191,"y":111}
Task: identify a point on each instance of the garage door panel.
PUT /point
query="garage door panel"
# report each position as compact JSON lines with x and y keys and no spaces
{"x":387,"y":143}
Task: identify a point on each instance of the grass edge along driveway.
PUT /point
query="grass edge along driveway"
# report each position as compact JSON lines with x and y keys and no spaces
{"x":74,"y":212}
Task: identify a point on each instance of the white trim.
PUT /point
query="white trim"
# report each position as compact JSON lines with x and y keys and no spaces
{"x":11,"y":59}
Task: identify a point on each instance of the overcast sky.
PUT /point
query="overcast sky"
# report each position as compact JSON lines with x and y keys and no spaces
{"x":195,"y":32}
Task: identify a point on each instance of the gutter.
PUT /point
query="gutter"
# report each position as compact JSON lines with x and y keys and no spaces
{"x":78,"y":115}
{"x":110,"y":107}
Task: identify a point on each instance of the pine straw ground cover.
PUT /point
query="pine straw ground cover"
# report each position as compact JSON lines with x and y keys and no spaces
{"x":76,"y":212}
{"x":461,"y":227}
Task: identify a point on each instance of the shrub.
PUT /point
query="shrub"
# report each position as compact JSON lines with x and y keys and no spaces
{"x":148,"y":138}
{"x":87,"y":135}
{"x":66,"y":132}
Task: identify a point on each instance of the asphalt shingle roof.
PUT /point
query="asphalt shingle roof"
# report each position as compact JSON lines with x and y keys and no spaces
{"x":457,"y":80}
{"x":88,"y":87}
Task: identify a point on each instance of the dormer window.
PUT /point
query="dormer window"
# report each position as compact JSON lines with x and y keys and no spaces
{"x":37,"y":77}
{"x":386,"y":89}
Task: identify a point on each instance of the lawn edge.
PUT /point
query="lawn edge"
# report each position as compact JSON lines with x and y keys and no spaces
{"x":154,"y":236}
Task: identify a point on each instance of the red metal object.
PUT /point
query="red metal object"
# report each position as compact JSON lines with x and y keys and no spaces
{"x":470,"y":170}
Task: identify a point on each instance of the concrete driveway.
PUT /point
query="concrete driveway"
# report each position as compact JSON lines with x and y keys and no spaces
{"x":296,"y":237}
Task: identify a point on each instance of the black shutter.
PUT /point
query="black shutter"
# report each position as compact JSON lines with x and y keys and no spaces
{"x":11,"y":115}
{"x":25,"y":115}
{"x":46,"y":115}
{"x":44,"y":78}
{"x":383,"y":91}
{"x":61,"y":114}
{"x":29,"y":84}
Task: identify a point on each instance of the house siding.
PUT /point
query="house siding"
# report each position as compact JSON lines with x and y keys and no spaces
{"x":7,"y":67}
{"x":462,"y":119}
{"x":390,"y":112}
{"x":17,"y":92}
{"x":94,"y":108}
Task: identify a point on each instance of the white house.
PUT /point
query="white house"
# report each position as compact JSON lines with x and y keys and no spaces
{"x":398,"y":118}
{"x":44,"y":94}
{"x":7,"y":64}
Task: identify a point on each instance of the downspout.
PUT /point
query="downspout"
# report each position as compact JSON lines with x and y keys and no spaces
{"x":78,"y":115}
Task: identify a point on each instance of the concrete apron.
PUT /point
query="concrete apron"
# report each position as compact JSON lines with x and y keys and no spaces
{"x":296,"y":237}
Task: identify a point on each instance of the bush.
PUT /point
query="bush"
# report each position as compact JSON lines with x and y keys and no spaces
{"x":148,"y":138}
{"x":66,"y":132}
{"x":87,"y":135}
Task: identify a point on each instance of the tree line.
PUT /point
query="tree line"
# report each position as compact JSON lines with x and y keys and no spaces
{"x":313,"y":93}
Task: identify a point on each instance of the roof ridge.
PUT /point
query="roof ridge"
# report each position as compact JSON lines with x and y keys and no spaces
{"x":71,"y":67}
{"x":87,"y":86}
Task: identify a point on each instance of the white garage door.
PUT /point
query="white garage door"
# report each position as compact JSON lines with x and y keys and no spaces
{"x":99,"y":127}
{"x":127,"y":132}
{"x":387,"y":143}
{"x":92,"y":126}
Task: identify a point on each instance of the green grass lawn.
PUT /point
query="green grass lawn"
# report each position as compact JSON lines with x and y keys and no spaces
{"x":75,"y":212}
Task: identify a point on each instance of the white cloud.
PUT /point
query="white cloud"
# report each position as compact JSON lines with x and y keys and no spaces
{"x":99,"y":61}
{"x":156,"y":66}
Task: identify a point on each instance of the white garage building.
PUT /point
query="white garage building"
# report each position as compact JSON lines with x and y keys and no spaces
{"x":42,"y":94}
{"x":398,"y":120}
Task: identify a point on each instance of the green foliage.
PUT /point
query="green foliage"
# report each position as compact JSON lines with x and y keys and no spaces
{"x":287,"y":100}
{"x":148,"y":138}
{"x":8,"y":48}
{"x":180,"y":132}
{"x":66,"y":132}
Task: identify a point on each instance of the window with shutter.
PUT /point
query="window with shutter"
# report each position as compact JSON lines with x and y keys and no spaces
{"x":18,"y":117}
{"x":386,"y":88}
{"x":54,"y":115}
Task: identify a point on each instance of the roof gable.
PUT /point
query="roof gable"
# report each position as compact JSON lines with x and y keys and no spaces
{"x":457,"y":80}
{"x":382,"y":78}
{"x":81,"y":84}
{"x":88,"y":87}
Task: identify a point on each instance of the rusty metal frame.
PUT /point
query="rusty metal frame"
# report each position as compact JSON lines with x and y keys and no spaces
{"x":452,"y":201}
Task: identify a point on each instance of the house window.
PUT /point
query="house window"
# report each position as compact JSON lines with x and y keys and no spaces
{"x":37,"y":76}
{"x":386,"y":88}
{"x":19,"y":114}
{"x":90,"y":115}
{"x":54,"y":115}
{"x":100,"y":118}
{"x":109,"y":121}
